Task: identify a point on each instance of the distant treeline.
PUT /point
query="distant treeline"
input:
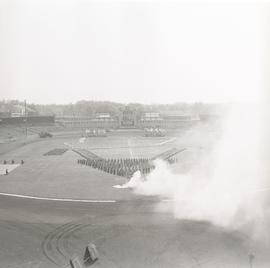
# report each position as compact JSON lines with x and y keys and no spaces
{"x":89,"y":108}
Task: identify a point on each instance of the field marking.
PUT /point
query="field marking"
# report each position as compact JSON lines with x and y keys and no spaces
{"x":167,"y":141}
{"x":58,"y":199}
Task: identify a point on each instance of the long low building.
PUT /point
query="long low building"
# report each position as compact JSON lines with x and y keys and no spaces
{"x":103,"y":121}
{"x":130,"y":118}
{"x":168,"y":119}
{"x":29,"y":120}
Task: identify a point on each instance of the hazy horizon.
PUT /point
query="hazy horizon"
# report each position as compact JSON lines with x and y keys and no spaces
{"x":132,"y":52}
{"x":127,"y":103}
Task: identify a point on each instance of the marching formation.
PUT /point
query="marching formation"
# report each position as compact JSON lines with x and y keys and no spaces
{"x":124,"y":167}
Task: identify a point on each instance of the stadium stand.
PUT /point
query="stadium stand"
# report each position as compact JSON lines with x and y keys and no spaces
{"x":10,"y":133}
{"x":27,"y":119}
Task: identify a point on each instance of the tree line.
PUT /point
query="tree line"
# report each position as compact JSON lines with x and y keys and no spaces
{"x":90,"y":108}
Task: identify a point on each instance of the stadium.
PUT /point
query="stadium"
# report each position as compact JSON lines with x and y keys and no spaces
{"x":134,"y":134}
{"x":60,"y":203}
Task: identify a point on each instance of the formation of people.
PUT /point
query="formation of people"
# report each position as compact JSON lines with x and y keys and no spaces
{"x":172,"y":160}
{"x":12,"y":162}
{"x":125,"y":167}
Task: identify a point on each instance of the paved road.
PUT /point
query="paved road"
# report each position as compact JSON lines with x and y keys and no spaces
{"x":39,"y":233}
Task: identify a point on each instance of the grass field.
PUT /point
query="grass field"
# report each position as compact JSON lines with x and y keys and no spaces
{"x":130,"y":232}
{"x":60,"y":176}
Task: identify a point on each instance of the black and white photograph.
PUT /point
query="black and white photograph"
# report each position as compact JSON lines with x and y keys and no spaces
{"x":134,"y":134}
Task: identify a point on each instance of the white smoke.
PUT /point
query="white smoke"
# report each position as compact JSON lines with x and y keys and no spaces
{"x":133,"y":182}
{"x":227,"y":185}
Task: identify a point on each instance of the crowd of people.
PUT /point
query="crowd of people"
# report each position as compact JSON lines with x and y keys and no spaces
{"x":124,"y":167}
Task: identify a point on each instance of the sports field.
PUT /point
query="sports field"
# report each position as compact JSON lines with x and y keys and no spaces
{"x":60,"y":176}
{"x":51,"y":208}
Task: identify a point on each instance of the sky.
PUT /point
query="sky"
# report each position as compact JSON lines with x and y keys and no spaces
{"x":63,"y":51}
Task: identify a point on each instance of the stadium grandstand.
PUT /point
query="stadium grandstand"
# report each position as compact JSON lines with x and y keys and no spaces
{"x":166,"y":119}
{"x":101,"y":120}
{"x":16,"y":110}
{"x":130,"y":118}
{"x":21,"y":120}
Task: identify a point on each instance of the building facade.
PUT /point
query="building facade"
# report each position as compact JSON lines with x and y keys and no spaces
{"x":130,"y":118}
{"x":107,"y":122}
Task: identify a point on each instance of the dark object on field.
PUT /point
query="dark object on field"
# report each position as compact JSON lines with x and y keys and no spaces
{"x":44,"y":134}
{"x":5,"y":162}
{"x":90,"y":255}
{"x":75,"y":263}
{"x":6,"y":171}
{"x":154,"y":132}
{"x":95,"y":132}
{"x":57,"y":151}
{"x":22,"y":162}
{"x":12,"y":162}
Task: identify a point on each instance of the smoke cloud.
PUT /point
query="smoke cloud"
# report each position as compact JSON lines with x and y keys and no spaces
{"x":226,"y":179}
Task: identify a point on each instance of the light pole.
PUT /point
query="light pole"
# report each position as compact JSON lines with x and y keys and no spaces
{"x":25,"y":119}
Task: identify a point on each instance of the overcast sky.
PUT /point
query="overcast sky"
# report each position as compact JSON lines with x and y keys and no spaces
{"x":149,"y":52}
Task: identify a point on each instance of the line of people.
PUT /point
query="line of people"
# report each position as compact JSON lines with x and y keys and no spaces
{"x":172,"y":160}
{"x":5,"y":162}
{"x":124,"y":167}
